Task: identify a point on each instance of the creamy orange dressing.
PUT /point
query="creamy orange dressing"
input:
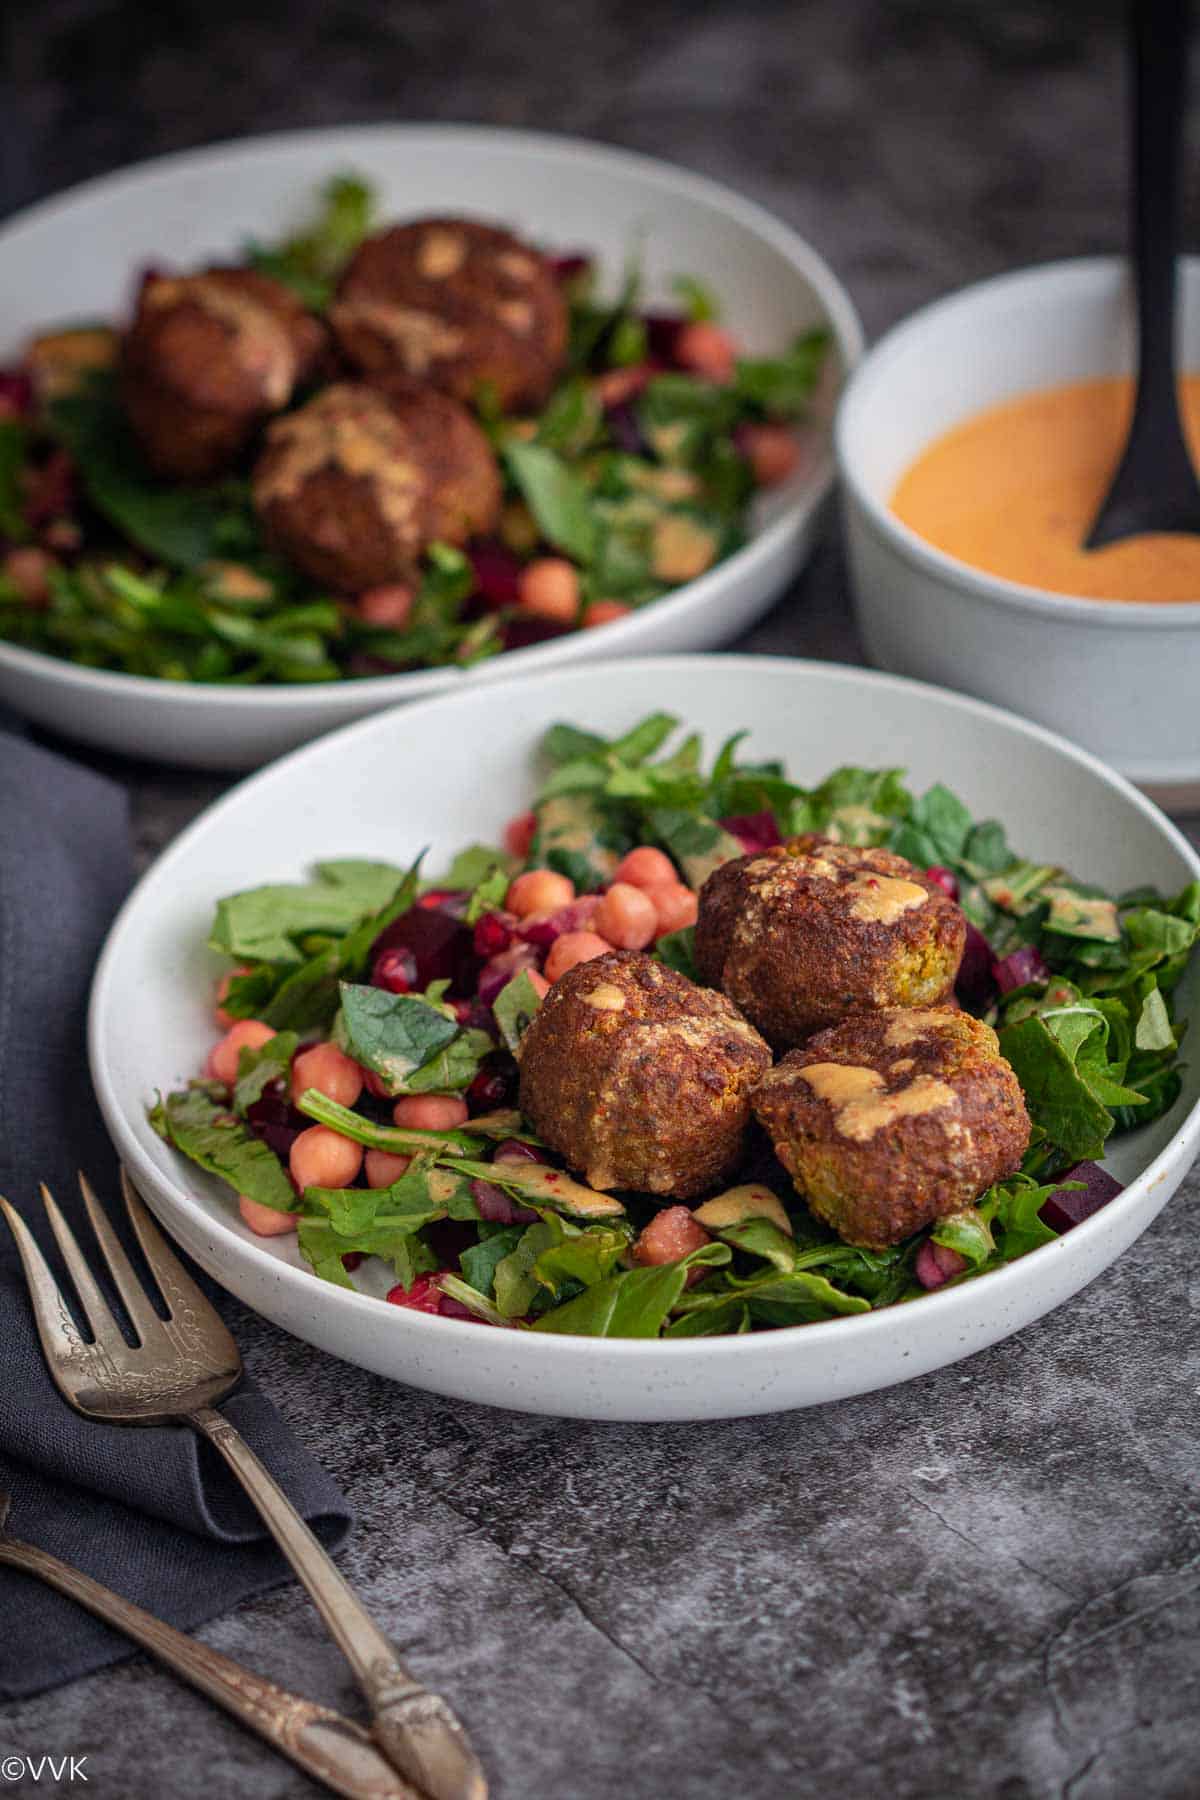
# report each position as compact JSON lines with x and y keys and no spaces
{"x":1014,"y":490}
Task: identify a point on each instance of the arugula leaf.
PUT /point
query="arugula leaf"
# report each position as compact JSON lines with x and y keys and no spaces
{"x":633,"y":1304}
{"x":514,"y":1282}
{"x":222,"y":1144}
{"x":968,"y":1233}
{"x":310,"y":261}
{"x":480,"y":1261}
{"x":555,"y":496}
{"x":796,"y":1297}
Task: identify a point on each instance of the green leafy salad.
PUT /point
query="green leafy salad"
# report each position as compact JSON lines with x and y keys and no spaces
{"x":637,"y":473}
{"x":426,"y":989}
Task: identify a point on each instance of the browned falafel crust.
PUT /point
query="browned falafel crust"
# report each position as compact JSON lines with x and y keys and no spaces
{"x":895,"y":1118}
{"x":801,"y":935}
{"x":460,"y":304}
{"x":206,"y":359}
{"x":355,"y":485}
{"x":639,"y":1078}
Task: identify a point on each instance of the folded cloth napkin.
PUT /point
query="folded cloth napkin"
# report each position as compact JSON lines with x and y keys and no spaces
{"x":152,"y":1513}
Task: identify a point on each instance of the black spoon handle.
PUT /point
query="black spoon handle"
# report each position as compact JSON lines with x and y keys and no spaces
{"x":1159,"y":40}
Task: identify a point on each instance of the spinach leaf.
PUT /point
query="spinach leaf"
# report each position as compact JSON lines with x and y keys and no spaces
{"x":514,"y":1007}
{"x":257,"y":1068}
{"x":555,"y":496}
{"x":479,"y":1261}
{"x":409,"y":1042}
{"x":220,"y":1142}
{"x":260,"y":924}
{"x":635,"y":1303}
{"x":782,"y":386}
{"x":1056,"y":1092}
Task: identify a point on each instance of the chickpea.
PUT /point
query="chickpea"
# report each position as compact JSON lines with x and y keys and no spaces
{"x":626,"y":917}
{"x":518,"y":834}
{"x":571,"y":948}
{"x":430,"y":1112}
{"x":28,"y":570}
{"x":771,"y":450}
{"x":675,"y":905}
{"x":323,"y":1158}
{"x":646,"y":867}
{"x":222,"y":1062}
{"x":539,"y":891}
{"x":390,"y":605}
{"x":706,"y":350}
{"x":383,"y":1168}
{"x":330,"y":1071}
{"x":549,"y":588}
{"x":264,"y":1220}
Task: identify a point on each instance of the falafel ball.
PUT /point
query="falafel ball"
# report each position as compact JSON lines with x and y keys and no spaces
{"x":639,"y":1078}
{"x":893,"y":1119}
{"x":803,"y":934}
{"x":206,"y":359}
{"x":455,"y":303}
{"x":355,"y":485}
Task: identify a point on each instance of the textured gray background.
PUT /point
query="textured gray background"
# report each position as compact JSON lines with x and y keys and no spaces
{"x":984,"y":1583}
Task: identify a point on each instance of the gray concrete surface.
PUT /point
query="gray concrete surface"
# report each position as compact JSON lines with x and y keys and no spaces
{"x":986,"y":1583}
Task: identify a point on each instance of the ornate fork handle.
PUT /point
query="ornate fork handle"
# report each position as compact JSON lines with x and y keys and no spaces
{"x":332,"y":1749}
{"x":416,"y":1730}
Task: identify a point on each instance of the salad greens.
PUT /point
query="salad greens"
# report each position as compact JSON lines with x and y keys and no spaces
{"x":1080,"y":986}
{"x":642,"y":489}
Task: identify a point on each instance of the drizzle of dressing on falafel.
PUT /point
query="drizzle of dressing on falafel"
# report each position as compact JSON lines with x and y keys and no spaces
{"x":605,"y":998}
{"x":880,"y":899}
{"x":861,"y":1108}
{"x":418,"y":339}
{"x":442,"y":253}
{"x":355,"y":432}
{"x":258,"y":340}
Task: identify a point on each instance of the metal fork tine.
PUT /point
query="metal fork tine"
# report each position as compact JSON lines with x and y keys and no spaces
{"x":146,"y":1321}
{"x":99,"y":1315}
{"x":54,"y":1325}
{"x":178,"y":1289}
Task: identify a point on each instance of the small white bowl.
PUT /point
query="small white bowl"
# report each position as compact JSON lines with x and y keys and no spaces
{"x":1123,"y":679}
{"x":75,"y":257}
{"x":451,"y":770}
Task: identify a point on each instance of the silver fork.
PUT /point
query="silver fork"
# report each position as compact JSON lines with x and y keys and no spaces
{"x":181,"y":1367}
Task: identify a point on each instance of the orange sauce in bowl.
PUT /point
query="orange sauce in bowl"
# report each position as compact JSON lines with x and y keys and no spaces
{"x":1014,"y":489}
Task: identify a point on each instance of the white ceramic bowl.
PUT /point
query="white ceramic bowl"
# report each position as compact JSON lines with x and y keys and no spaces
{"x":1121,"y":679}
{"x":76,"y":256}
{"x":452,"y":769}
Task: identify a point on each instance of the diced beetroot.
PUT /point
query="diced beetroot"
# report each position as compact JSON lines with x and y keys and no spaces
{"x":351,"y":1260}
{"x":571,"y":267}
{"x":670,"y":1236}
{"x":529,"y":628}
{"x":275,"y":1120}
{"x":625,"y":429}
{"x":513,"y":1150}
{"x":1063,"y":1211}
{"x":16,"y":394}
{"x":543,"y":928}
{"x":51,"y":490}
{"x":499,"y":970}
{"x":499,"y":1208}
{"x":448,"y":1238}
{"x":494,"y":933}
{"x":497,"y":573}
{"x":451,"y":1308}
{"x":1018,"y":970}
{"x":438,"y":944}
{"x":754,"y":831}
{"x":495,"y":1085}
{"x":936,"y":1265}
{"x":974,"y":985}
{"x":945,"y":880}
{"x":395,"y":970}
{"x":662,"y":335}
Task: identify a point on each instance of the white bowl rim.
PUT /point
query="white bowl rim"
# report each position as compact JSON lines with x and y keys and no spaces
{"x":840,"y":315}
{"x":954,"y":1301}
{"x":1076,"y":609}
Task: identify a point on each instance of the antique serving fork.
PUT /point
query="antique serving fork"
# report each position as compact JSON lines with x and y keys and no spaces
{"x":329,"y":1747}
{"x":182,"y":1365}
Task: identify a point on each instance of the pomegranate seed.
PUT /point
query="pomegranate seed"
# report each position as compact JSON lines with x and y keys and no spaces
{"x":395,"y":970}
{"x":662,"y":334}
{"x":494,"y":933}
{"x":351,"y":1259}
{"x":275,"y":1120}
{"x":497,"y":573}
{"x":544,"y":928}
{"x":945,"y":880}
{"x":492,"y":1088}
{"x":423,"y":1296}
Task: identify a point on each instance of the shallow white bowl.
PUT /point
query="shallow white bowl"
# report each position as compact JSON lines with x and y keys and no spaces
{"x":453,"y":769}
{"x":76,"y":257}
{"x":1121,"y":679}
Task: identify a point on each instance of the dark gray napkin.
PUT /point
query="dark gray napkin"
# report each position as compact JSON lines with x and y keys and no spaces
{"x":151,"y":1513}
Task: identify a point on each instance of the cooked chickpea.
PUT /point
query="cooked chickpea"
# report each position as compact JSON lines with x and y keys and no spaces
{"x":383,"y":1168}
{"x":223,"y":986}
{"x":430,"y":1112}
{"x":571,"y":948}
{"x":539,"y":891}
{"x":675,"y":905}
{"x":264,"y":1220}
{"x":518,"y":834}
{"x":706,"y":350}
{"x":389,"y":606}
{"x":222,"y":1062}
{"x":549,"y":588}
{"x":330,"y":1071}
{"x":604,"y":612}
{"x":771,"y":450}
{"x":626,"y":917}
{"x":323,"y":1158}
{"x":646,"y":867}
{"x":28,"y":570}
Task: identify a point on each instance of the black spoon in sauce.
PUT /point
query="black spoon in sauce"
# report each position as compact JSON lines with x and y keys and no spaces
{"x":1155,"y":487}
